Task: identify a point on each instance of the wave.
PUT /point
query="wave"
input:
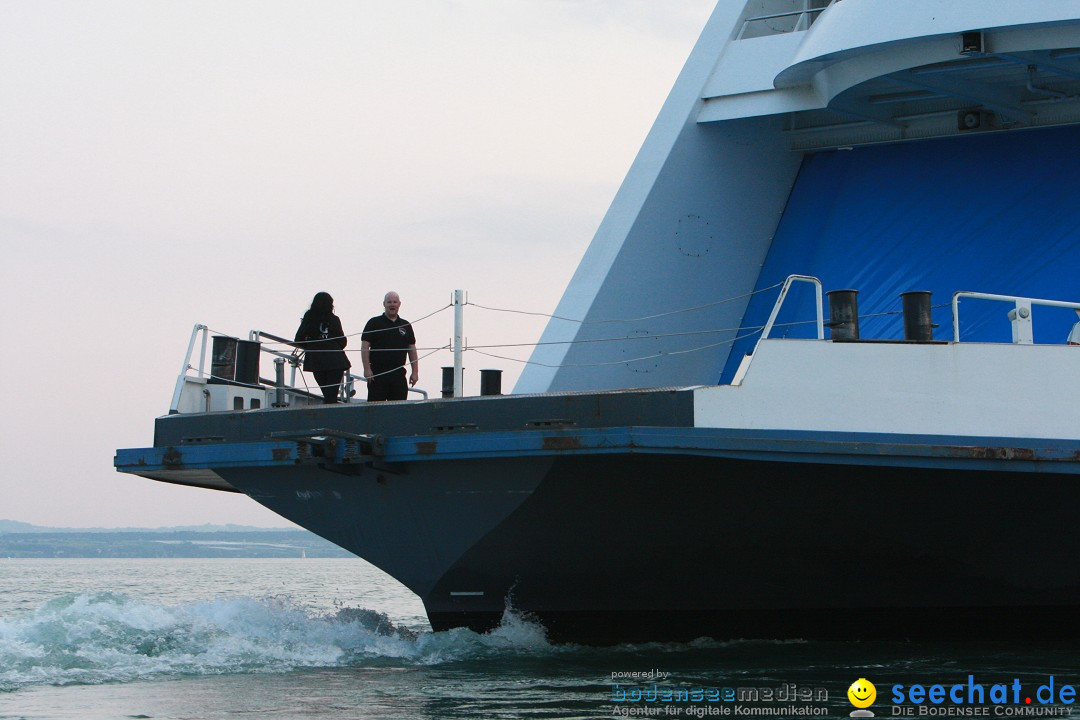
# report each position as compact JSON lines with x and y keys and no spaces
{"x":99,"y":638}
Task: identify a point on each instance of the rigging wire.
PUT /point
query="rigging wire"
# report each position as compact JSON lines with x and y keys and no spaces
{"x":411,"y":322}
{"x":618,"y":362}
{"x":752,"y":328}
{"x":374,"y":350}
{"x":399,"y":367}
{"x":356,"y":377}
{"x":301,"y":343}
{"x":479,"y":349}
{"x":618,"y":339}
{"x":638,"y":319}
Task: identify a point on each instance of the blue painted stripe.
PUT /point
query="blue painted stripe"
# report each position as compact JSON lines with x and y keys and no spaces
{"x":873,"y":449}
{"x":210,"y":455}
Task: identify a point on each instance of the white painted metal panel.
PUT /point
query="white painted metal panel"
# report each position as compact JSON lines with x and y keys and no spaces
{"x":979,"y":389}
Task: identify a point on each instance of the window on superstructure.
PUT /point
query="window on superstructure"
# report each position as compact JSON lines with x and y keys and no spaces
{"x":774,"y":17}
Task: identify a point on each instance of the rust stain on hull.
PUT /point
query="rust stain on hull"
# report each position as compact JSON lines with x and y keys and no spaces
{"x":983,"y":452}
{"x":568,"y":442}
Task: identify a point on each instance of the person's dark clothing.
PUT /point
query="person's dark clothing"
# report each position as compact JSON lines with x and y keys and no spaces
{"x":390,"y":341}
{"x":323,"y":342}
{"x":388,"y":387}
{"x":329,"y":382}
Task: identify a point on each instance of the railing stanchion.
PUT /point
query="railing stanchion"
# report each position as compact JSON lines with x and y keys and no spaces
{"x":191,"y":347}
{"x":202,"y":352}
{"x":820,"y":322}
{"x":175,"y":404}
{"x":1019,"y":315}
{"x":279,"y":382}
{"x":780,"y":301}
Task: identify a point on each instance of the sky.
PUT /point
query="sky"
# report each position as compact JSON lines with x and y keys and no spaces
{"x":164,"y":164}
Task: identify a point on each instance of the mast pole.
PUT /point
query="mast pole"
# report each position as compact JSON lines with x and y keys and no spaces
{"x":458,"y":334}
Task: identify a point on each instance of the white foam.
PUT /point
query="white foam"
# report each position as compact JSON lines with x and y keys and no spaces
{"x":108,"y":637}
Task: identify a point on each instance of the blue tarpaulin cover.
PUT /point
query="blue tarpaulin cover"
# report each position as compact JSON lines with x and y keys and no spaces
{"x":994,"y":213}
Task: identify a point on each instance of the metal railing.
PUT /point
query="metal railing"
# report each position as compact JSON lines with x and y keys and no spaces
{"x":278,"y":384}
{"x":175,"y":404}
{"x":1020,"y":315}
{"x":788,"y":282}
{"x":767,"y":328}
{"x":779,"y":23}
{"x":290,"y":357}
{"x":348,"y":383}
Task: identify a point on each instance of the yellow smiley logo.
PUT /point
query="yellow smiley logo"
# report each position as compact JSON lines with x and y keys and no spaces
{"x":862,"y":693}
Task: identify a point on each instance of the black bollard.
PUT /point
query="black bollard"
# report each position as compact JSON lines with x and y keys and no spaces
{"x":491,"y":382}
{"x":918,"y":327}
{"x":247,"y":362}
{"x":448,"y":381}
{"x":222,"y":360}
{"x":843,"y":314}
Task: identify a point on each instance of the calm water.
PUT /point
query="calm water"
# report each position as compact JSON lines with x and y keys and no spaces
{"x":336,"y":639}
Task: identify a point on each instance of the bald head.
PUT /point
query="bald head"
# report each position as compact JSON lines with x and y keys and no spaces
{"x":391,"y":304}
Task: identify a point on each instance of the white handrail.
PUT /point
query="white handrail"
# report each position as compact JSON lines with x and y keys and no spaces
{"x":784,"y":14}
{"x":744,"y":365}
{"x":175,"y":404}
{"x":805,"y":18}
{"x":780,"y":301}
{"x":290,"y":388}
{"x":1020,"y":315}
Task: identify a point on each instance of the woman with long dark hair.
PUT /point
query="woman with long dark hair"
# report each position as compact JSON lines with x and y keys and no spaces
{"x":323,"y":341}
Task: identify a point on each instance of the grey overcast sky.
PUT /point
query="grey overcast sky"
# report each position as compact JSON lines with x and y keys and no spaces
{"x":167,"y":163}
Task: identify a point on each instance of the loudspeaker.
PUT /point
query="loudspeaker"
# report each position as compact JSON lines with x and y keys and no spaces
{"x":973,"y":120}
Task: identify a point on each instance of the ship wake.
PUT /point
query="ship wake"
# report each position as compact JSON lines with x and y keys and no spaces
{"x":97,"y":638}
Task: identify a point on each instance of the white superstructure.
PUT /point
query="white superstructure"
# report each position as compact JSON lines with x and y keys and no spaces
{"x":770,"y":85}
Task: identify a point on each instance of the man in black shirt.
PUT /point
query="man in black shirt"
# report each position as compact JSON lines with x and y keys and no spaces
{"x":387,"y":339}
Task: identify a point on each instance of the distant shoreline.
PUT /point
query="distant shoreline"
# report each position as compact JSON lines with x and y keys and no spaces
{"x":166,"y":543}
{"x":16,"y":526}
